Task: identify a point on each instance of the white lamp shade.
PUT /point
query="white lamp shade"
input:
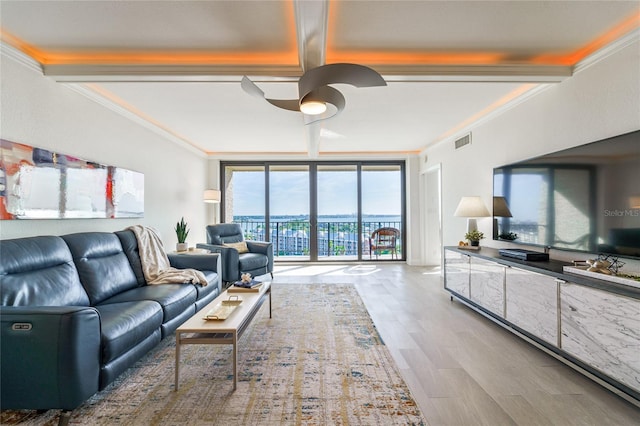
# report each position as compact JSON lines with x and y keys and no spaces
{"x":211,"y":196}
{"x":500,"y":207}
{"x":634,"y":202}
{"x":471,"y":207}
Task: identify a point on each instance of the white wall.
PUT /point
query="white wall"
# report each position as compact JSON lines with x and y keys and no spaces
{"x":40,"y":112}
{"x":599,"y":102}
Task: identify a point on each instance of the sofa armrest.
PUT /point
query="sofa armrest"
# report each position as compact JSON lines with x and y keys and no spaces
{"x":263,"y":247}
{"x":49,"y":357}
{"x":230,"y":260}
{"x":201,"y":262}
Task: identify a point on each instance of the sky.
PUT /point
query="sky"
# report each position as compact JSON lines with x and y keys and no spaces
{"x":337,"y":193}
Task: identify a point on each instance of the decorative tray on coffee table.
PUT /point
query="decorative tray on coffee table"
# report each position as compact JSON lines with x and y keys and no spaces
{"x":223,"y":309}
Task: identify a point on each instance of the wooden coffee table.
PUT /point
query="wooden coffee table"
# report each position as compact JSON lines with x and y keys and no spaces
{"x":198,"y":331}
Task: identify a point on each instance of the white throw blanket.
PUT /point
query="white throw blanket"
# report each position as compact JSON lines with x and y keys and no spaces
{"x":155,"y":263}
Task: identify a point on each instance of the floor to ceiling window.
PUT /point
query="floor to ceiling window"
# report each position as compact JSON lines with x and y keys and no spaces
{"x":319,"y":211}
{"x":337,"y":226}
{"x":289,"y":211}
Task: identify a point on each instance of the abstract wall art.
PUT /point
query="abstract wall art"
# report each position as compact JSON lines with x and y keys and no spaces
{"x":39,"y":184}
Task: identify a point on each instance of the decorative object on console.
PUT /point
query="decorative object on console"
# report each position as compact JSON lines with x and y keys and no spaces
{"x":604,"y":267}
{"x":41,"y":184}
{"x":182,"y":232}
{"x":471,"y":208}
{"x":474,"y":237}
{"x":604,"y":264}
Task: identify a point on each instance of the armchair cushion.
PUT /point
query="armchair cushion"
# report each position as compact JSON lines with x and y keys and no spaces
{"x":224,"y":233}
{"x":252,"y":261}
{"x":241,"y":247}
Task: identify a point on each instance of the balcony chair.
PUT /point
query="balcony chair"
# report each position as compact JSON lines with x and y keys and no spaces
{"x":237,"y":254}
{"x":384,"y":239}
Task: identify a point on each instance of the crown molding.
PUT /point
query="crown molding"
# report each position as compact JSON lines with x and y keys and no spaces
{"x":159,"y":130}
{"x":25,"y":60}
{"x":608,"y":50}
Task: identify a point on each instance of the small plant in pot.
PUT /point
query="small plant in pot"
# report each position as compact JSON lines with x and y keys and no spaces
{"x":474,"y":237}
{"x":182,"y":232}
{"x":508,"y":236}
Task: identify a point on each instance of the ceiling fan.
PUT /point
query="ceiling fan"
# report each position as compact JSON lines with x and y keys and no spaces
{"x":316,"y":99}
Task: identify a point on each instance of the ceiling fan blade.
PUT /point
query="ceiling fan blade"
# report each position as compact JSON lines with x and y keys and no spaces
{"x":251,"y":88}
{"x":353,"y":74}
{"x":290,"y":104}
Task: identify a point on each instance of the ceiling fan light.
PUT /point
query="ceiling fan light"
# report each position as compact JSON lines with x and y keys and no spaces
{"x":313,"y":107}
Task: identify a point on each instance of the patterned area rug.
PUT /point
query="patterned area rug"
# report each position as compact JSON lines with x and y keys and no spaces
{"x":318,"y":361}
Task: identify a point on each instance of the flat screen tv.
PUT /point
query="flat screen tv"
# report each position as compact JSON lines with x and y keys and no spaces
{"x":584,"y":199}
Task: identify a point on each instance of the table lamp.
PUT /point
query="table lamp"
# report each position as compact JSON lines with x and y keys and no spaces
{"x":471,"y":208}
{"x":500,"y":209}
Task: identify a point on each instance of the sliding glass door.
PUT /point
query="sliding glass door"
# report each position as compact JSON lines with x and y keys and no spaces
{"x":337,"y":225}
{"x":382,"y":202}
{"x":289,"y":211}
{"x":319,"y":211}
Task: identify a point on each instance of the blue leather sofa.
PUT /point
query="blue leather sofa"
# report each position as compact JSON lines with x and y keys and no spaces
{"x":76,"y":312}
{"x":257,"y":261}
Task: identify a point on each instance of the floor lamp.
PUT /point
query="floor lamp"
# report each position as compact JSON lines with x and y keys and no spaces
{"x":212,"y":196}
{"x":471,"y":208}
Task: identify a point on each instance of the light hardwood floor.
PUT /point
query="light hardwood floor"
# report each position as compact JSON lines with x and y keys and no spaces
{"x":463,"y":369}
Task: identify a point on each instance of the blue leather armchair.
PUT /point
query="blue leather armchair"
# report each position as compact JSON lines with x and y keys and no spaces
{"x":257,"y":261}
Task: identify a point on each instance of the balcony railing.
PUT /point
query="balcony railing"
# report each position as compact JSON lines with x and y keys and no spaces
{"x":292,"y":238}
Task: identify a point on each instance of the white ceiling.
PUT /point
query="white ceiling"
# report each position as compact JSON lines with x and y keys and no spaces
{"x":175,"y":66}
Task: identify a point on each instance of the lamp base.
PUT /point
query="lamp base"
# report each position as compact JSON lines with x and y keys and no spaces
{"x":472,"y":225}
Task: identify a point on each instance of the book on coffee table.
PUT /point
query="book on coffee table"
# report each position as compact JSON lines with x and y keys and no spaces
{"x":240,"y":287}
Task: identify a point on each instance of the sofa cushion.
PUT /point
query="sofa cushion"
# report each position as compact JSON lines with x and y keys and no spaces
{"x":173,"y":298}
{"x":129,"y":244}
{"x":101,"y":263}
{"x":124,"y":325}
{"x":252,"y":261}
{"x":39,"y":271}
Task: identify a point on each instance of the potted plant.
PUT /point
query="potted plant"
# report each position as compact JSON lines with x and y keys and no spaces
{"x":182,"y":232}
{"x":508,"y":236}
{"x":474,"y":237}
